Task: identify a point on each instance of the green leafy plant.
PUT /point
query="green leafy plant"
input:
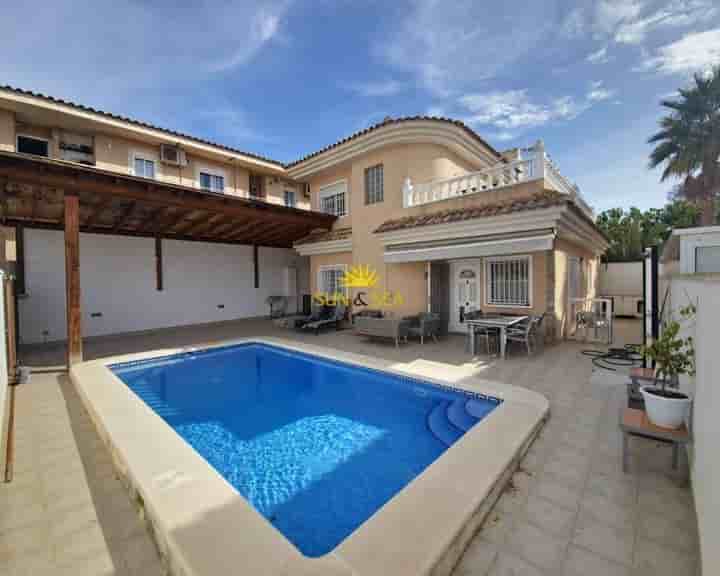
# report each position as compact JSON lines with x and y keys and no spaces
{"x":673,"y":355}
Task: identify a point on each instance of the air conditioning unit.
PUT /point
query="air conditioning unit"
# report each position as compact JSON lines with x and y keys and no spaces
{"x":172,"y":155}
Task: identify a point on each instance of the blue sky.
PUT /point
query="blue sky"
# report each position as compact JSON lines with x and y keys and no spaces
{"x":283,"y":78}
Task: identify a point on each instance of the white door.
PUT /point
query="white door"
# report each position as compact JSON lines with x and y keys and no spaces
{"x":465,"y":294}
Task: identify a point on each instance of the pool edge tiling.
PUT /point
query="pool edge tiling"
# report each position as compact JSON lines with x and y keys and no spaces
{"x":204,"y":526}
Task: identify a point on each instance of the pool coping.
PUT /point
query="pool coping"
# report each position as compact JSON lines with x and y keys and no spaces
{"x":196,"y":516}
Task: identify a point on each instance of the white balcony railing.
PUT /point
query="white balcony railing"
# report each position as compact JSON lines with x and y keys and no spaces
{"x":529,"y":164}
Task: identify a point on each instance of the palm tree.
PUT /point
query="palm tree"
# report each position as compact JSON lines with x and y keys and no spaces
{"x":688,"y":143}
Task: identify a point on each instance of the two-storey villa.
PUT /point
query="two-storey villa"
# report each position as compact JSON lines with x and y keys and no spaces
{"x":167,"y":229}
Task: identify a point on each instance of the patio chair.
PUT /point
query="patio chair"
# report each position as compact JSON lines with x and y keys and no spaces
{"x":424,"y":325}
{"x":336,"y":316}
{"x":387,"y":327}
{"x":523,"y":332}
{"x":317,"y":312}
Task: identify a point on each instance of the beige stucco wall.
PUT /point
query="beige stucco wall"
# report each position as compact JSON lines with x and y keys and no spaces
{"x":330,"y":176}
{"x":275,"y":192}
{"x":420,"y":162}
{"x":564,"y":250}
{"x":7,"y":131}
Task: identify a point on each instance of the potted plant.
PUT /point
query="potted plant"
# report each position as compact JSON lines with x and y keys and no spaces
{"x":673,"y":355}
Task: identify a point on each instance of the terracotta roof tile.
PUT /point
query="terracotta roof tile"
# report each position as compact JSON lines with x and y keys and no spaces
{"x":390,"y":121}
{"x":545,"y":199}
{"x":326,"y":236}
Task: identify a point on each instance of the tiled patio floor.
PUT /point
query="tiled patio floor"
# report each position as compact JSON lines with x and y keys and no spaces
{"x":569,"y":510}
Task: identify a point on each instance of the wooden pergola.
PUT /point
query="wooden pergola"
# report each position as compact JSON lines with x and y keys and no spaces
{"x":38,"y":192}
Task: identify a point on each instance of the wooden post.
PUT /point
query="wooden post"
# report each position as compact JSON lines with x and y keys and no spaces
{"x":158,"y":263}
{"x":72,"y":279}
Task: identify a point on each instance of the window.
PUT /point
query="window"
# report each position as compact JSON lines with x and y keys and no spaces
{"x":707,"y":259}
{"x":508,"y":281}
{"x":290,"y":198}
{"x":256,"y":186}
{"x":31,"y":145}
{"x":374,"y":184}
{"x":212,"y":182}
{"x":332,"y":198}
{"x":144,"y":168}
{"x":330,"y":279}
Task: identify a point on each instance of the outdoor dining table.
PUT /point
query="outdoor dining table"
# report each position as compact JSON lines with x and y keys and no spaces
{"x":502,"y":323}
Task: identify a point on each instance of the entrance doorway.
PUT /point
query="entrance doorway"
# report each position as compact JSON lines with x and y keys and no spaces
{"x":465,"y":291}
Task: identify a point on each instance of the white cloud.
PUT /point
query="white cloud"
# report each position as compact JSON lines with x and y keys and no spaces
{"x":129,"y":56}
{"x":451,"y":46}
{"x":573,"y":23}
{"x":694,"y":52}
{"x":513,"y":109}
{"x":383,"y":88}
{"x":600,"y":56}
{"x":630,"y":22}
{"x":598,"y":92}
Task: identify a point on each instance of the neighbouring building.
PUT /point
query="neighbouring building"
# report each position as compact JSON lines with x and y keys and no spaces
{"x":177,"y":230}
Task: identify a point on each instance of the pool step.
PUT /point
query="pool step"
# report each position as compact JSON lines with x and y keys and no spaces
{"x":440,"y":426}
{"x":479,"y":408}
{"x":459,"y":416}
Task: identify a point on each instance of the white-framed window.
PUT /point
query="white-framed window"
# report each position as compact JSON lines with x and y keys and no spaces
{"x":508,"y":281}
{"x":329,"y":279}
{"x":212,"y":180}
{"x":143,"y":167}
{"x":32,"y":145}
{"x":290,"y":198}
{"x":374,"y":184}
{"x":333,"y":198}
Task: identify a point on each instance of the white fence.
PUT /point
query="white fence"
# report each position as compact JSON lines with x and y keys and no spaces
{"x":591,"y":320}
{"x":704,"y":292}
{"x":529,"y":164}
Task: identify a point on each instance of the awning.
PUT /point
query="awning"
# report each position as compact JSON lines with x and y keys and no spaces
{"x":470,"y":248}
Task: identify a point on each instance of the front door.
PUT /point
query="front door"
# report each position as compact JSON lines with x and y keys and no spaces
{"x":465,"y":292}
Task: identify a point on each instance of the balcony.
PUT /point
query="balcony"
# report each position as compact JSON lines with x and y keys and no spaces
{"x":530,"y":164}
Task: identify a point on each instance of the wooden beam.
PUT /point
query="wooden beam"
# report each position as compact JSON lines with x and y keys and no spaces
{"x":99,"y":208}
{"x":150,"y":223}
{"x":245,"y":230}
{"x":36,"y":199}
{"x":124,"y":217}
{"x":202,"y":227}
{"x":166,"y":225}
{"x":72,"y":279}
{"x":270,"y":233}
{"x":92,"y":180}
{"x":284,"y":232}
{"x":107,"y":231}
{"x":158,"y":263}
{"x":191,"y":224}
{"x":223,"y":229}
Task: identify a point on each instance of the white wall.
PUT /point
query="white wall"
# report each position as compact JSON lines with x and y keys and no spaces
{"x":705,"y":455}
{"x":117,"y":279}
{"x":621,"y":279}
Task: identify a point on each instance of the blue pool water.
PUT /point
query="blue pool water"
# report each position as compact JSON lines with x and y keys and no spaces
{"x":315,"y":445}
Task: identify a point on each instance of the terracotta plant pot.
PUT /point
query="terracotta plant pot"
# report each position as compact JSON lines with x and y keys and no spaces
{"x":665,"y":408}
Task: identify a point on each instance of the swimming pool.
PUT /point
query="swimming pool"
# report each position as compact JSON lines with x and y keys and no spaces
{"x":314,"y":444}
